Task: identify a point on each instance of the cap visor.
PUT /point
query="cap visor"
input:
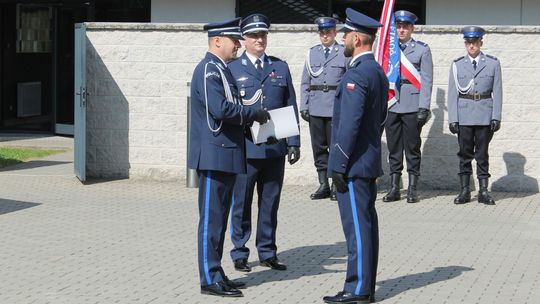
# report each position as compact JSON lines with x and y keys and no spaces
{"x":255,"y":30}
{"x":236,"y":37}
{"x":344,"y":30}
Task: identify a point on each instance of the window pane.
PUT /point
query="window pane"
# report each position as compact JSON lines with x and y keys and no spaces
{"x":33,"y":29}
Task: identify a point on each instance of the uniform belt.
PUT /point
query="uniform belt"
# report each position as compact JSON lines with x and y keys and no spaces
{"x":476,"y":96}
{"x":324,"y":88}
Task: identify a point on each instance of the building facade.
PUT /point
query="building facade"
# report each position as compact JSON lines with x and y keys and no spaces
{"x":137,"y":78}
{"x":36,"y":39}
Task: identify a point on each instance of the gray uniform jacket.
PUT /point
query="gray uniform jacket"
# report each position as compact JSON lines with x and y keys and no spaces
{"x":486,"y":89}
{"x":410,"y":99}
{"x":321,"y":102}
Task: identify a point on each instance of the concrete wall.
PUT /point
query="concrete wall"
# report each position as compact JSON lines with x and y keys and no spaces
{"x":137,"y":77}
{"x":481,"y":12}
{"x":202,"y":11}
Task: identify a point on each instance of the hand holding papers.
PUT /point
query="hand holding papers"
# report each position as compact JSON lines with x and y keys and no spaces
{"x":281,"y":125}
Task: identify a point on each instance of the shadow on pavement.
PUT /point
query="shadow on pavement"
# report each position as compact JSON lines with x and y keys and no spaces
{"x":97,"y":181}
{"x":392,"y":287}
{"x":516,"y":179}
{"x":303,"y":261}
{"x":33,"y":164}
{"x":7,"y":206}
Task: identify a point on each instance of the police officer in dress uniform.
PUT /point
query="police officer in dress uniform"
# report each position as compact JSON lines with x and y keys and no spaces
{"x":325,"y":65}
{"x":217,"y":149}
{"x":474,"y":111}
{"x":355,"y":157}
{"x":407,"y":117}
{"x":264,"y":82}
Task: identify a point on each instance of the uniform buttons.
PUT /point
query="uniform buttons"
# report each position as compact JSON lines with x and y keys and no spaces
{"x":223,"y":145}
{"x":262,"y":85}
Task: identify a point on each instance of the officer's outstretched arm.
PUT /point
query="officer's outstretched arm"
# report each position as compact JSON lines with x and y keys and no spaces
{"x":217,"y":104}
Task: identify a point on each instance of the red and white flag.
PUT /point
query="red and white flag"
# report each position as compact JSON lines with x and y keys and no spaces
{"x":390,"y":56}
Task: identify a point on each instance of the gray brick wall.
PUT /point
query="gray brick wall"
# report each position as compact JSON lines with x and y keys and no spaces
{"x":136,"y":120}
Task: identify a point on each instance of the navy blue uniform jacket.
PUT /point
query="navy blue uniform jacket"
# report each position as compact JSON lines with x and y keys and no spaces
{"x":277,"y":92}
{"x":222,"y":149}
{"x":359,"y":111}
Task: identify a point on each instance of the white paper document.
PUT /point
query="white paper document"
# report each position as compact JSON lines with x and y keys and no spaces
{"x":282,"y":124}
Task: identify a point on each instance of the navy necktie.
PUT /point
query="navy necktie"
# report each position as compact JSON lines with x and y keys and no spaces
{"x":326,"y":52}
{"x":474,"y":64}
{"x":258,"y":65}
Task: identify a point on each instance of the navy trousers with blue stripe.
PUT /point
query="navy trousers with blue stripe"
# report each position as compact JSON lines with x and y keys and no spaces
{"x":215,"y":191}
{"x":361,"y":228}
{"x":268,"y":175}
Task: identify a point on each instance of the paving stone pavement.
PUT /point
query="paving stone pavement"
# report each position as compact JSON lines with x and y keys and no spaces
{"x":128,"y":241}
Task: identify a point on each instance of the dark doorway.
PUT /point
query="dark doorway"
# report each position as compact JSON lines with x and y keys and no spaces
{"x":37,"y":54}
{"x":66,"y":17}
{"x":26,"y":67}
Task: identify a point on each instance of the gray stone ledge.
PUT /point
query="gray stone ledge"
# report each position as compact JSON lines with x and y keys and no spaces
{"x":296,"y":27}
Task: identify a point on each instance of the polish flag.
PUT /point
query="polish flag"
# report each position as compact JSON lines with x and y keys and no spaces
{"x":390,"y":56}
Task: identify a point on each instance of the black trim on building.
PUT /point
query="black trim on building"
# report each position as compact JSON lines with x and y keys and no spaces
{"x":306,"y":11}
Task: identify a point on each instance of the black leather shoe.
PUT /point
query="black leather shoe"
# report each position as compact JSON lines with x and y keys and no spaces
{"x":234,"y":284}
{"x":483,"y":193}
{"x":221,"y":289}
{"x":412,"y":196}
{"x":347,"y":297}
{"x":464,"y":195}
{"x":274,"y":264}
{"x":241,"y":265}
{"x":324,"y":188}
{"x":333,"y":193}
{"x":393,"y":194}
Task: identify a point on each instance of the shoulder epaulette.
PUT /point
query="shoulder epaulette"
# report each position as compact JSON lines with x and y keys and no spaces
{"x":421,"y":43}
{"x":492,"y":57}
{"x":273,"y":58}
{"x":459,"y":58}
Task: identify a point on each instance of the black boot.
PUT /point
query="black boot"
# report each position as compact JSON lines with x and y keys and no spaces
{"x":324,"y":188}
{"x":483,"y":194}
{"x":333,"y":193}
{"x":465,"y":194}
{"x":393,"y":195}
{"x":412,"y":197}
